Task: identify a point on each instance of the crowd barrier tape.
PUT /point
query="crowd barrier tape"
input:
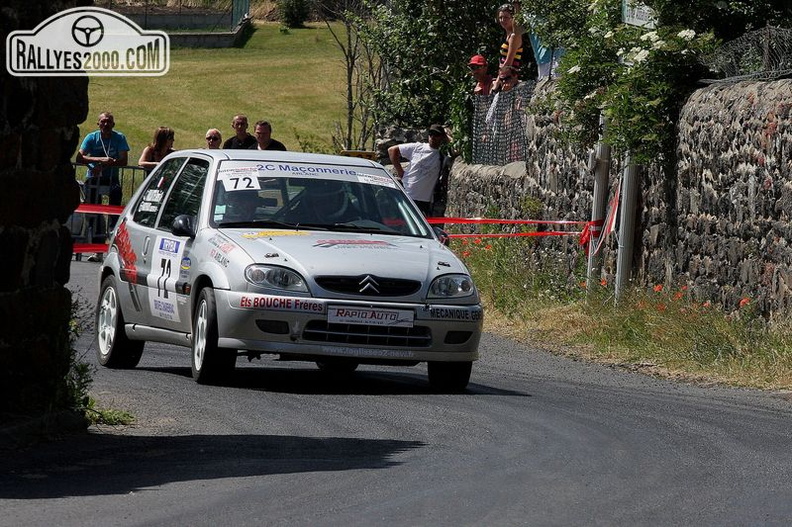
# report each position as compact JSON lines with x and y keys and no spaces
{"x":492,"y":221}
{"x":597,"y":228}
{"x":92,"y":208}
{"x":505,"y":222}
{"x":80,"y":248}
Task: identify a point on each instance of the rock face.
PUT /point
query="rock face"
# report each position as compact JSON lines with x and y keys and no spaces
{"x":39,"y":134}
{"x":719,"y":225}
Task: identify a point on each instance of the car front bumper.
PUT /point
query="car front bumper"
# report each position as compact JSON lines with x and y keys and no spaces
{"x":304,"y":326}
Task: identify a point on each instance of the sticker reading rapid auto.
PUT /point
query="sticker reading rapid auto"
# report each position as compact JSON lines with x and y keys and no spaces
{"x":370,"y":316}
{"x":87,"y":41}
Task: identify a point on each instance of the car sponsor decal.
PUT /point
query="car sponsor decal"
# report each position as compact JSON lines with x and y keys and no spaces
{"x":268,"y":234}
{"x":219,"y":257}
{"x":126,"y":253}
{"x":364,"y":244}
{"x":151,"y":201}
{"x":165,"y":264}
{"x":305,"y":170}
{"x":402,"y":318}
{"x":184,"y":268}
{"x":281,"y":303}
{"x":371,"y":179}
{"x":239,"y":178}
{"x":456,"y":313}
{"x":346,"y":351}
{"x":224,"y":245}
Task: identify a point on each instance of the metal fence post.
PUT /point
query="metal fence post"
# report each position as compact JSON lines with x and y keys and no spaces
{"x":601,"y":168}
{"x":627,"y":219}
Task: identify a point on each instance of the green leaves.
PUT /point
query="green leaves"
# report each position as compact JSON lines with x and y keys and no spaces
{"x":424,"y":47}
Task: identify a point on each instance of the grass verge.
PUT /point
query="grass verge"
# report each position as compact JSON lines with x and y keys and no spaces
{"x":294,"y":79}
{"x":656,"y":331}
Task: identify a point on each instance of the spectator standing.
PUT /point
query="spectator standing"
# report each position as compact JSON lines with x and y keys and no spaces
{"x":478,"y":70}
{"x":508,"y":80}
{"x":213,"y":139}
{"x":103,"y":150}
{"x":512,"y":47}
{"x":424,"y":169}
{"x":264,"y":140}
{"x":242,"y":139}
{"x":160,"y":146}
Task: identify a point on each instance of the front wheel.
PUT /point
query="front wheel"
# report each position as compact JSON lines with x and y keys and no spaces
{"x":210,"y":363}
{"x":114,"y":349}
{"x":449,"y":376}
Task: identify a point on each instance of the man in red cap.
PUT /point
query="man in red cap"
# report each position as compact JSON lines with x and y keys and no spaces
{"x":478,"y":69}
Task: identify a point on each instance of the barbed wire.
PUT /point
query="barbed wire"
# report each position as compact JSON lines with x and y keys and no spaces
{"x":761,"y":55}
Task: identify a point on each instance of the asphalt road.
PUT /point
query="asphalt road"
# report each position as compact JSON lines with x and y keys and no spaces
{"x":536,"y":440}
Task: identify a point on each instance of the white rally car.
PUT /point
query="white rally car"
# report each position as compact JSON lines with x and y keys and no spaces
{"x":311,"y":257}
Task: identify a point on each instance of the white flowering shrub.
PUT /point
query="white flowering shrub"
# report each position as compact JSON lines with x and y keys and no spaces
{"x":639,"y":78}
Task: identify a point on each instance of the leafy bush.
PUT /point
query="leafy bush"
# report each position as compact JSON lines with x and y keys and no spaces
{"x":294,"y":13}
{"x":424,"y":48}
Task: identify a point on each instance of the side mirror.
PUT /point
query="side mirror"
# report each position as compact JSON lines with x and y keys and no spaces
{"x":442,"y":236}
{"x":183,"y":225}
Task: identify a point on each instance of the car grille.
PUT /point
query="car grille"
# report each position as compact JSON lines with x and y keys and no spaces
{"x":369,"y":285}
{"x":322,"y":331}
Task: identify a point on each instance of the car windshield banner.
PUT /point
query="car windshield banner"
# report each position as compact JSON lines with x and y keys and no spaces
{"x":87,"y":41}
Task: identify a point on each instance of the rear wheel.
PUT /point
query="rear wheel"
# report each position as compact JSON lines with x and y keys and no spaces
{"x":114,"y":349}
{"x":210,"y":363}
{"x":449,"y":376}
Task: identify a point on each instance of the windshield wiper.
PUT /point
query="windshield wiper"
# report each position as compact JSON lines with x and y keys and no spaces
{"x":258,"y":223}
{"x":350,"y":226}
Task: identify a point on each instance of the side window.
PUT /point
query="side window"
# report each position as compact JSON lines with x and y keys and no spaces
{"x":185,"y":198}
{"x":148,"y":206}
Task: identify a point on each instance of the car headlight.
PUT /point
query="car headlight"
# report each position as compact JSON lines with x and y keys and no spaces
{"x":275,"y":277}
{"x":451,"y":286}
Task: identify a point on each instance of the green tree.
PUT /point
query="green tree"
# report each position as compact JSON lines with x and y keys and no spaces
{"x":362,"y":68}
{"x":424,"y":47}
{"x":640,"y":78}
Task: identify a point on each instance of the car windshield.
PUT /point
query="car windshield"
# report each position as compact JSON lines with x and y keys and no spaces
{"x":313,"y":198}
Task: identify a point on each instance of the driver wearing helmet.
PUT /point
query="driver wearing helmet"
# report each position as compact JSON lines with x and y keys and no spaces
{"x":327,"y":201}
{"x":332,"y":202}
{"x":241,"y":205}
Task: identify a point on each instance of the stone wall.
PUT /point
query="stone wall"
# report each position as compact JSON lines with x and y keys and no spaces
{"x":734,"y":197}
{"x":719,"y":225}
{"x":39,"y":134}
{"x":554,"y":183}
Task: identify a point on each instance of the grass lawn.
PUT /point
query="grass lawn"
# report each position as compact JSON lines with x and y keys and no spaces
{"x":295,"y":80}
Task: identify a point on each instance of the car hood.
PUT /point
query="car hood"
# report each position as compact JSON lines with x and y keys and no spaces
{"x":316,"y":253}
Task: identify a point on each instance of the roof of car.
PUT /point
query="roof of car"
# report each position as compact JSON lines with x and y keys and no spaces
{"x":276,"y":155}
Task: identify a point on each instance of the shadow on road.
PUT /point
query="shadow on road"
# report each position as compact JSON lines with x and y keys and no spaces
{"x":310,"y":381}
{"x":100,"y":464}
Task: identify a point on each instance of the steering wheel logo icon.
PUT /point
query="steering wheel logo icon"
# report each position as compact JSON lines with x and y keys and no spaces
{"x":87,"y":31}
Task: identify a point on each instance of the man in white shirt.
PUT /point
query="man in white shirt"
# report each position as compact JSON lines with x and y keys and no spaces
{"x":424,"y":169}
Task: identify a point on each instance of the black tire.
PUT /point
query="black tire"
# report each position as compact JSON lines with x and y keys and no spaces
{"x":114,"y":349}
{"x":449,"y":376}
{"x":335,"y":366}
{"x":210,"y":363}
